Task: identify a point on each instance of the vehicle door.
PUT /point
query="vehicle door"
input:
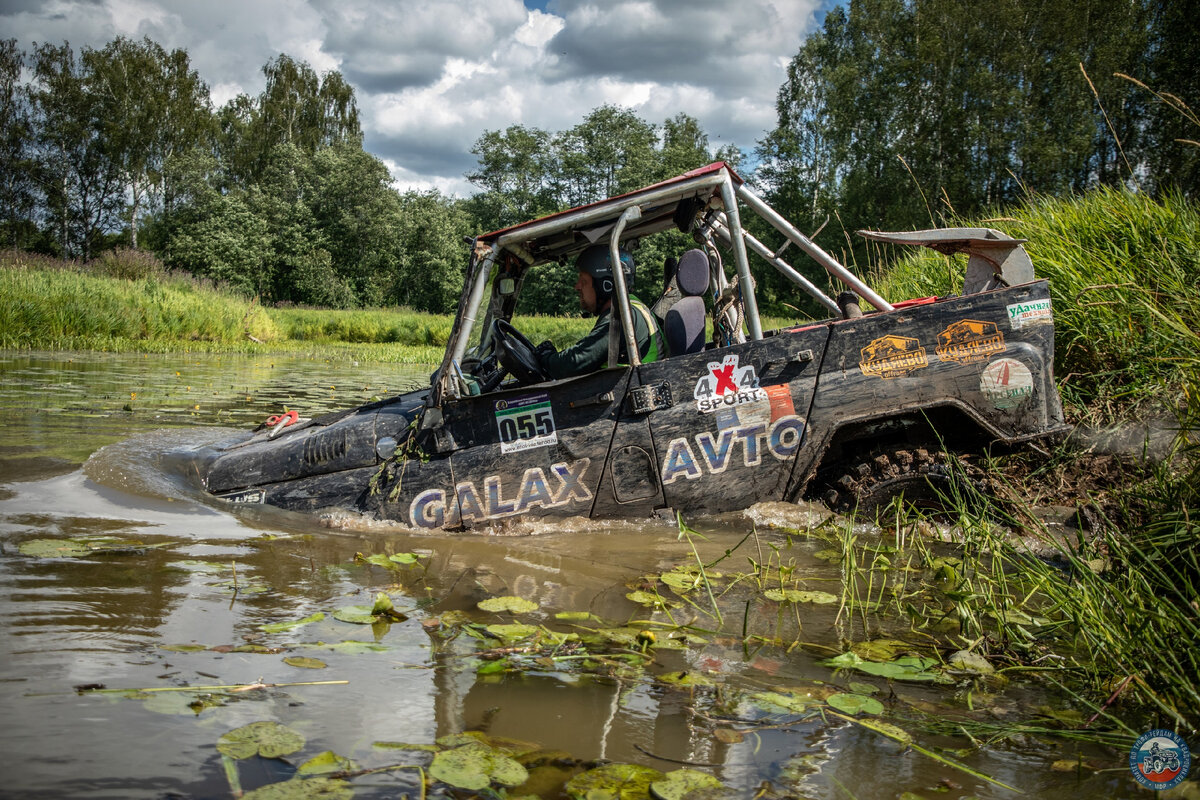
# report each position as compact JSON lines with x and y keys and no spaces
{"x":727,"y":423}
{"x":532,"y":450}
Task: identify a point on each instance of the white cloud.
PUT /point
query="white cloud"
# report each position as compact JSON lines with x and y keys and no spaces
{"x":432,"y":75}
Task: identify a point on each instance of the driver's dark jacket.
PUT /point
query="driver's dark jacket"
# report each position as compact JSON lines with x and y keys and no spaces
{"x":591,"y":352}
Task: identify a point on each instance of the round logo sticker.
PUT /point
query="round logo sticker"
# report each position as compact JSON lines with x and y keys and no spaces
{"x":1159,"y":759}
{"x":1006,"y":382}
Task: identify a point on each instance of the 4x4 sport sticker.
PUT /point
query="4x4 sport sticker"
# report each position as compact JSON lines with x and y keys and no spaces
{"x":892,"y":356}
{"x":969,"y":341}
{"x":726,"y":384}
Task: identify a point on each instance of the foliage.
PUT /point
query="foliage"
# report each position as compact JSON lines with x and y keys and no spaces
{"x":898,"y":115}
{"x":1121,"y":266}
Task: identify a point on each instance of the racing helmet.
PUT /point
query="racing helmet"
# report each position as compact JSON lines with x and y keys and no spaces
{"x":596,"y":262}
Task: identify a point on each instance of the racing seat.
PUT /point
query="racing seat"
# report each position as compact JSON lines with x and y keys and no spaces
{"x":684,"y":321}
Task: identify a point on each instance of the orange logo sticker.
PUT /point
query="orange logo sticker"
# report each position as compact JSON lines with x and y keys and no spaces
{"x":892,"y":357}
{"x":969,"y":341}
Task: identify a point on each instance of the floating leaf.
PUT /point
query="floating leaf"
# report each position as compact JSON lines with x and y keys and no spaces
{"x":879,"y":649}
{"x":573,"y":616}
{"x":77,"y":548}
{"x":380,"y":560}
{"x":774,"y":701}
{"x":182,"y":704}
{"x":681,"y":581}
{"x":183,"y":648}
{"x":359,"y":615}
{"x":855,"y":703}
{"x":798,"y":596}
{"x":513,"y":605}
{"x":255,"y":648}
{"x":907,"y":668}
{"x":680,"y":783}
{"x":685,"y":679}
{"x":266,"y":739}
{"x":280,"y":627}
{"x":474,"y":767}
{"x":304,"y":662}
{"x":324,"y":763}
{"x":383,"y":604}
{"x":404,"y":558}
{"x":863,"y":688}
{"x":349,"y":646}
{"x":512,"y":632}
{"x":425,"y":748}
{"x":303,"y":789}
{"x":650,"y":600}
{"x":492,"y":667}
{"x":616,"y":781}
{"x":828,"y":555}
{"x":509,"y":747}
{"x":973,"y":663}
{"x":728,"y":735}
{"x":193,"y":565}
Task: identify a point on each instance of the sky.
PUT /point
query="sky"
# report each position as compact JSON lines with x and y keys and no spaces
{"x":431,"y":76}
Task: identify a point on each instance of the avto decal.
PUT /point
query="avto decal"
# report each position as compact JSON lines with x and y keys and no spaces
{"x":780,"y":439}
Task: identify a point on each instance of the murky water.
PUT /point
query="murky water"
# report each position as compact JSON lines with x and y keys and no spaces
{"x":87,"y":444}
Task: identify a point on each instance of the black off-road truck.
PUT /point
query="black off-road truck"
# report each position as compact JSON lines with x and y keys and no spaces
{"x":851,"y":409}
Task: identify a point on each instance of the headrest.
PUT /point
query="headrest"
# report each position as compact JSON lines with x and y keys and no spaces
{"x":691,"y":276}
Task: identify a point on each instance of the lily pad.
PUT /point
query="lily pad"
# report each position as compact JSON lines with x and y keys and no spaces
{"x":828,"y":555}
{"x":855,"y":703}
{"x":679,"y":784}
{"x":475,"y":766}
{"x":573,"y":616}
{"x":180,"y":704}
{"x":879,"y":649}
{"x":972,"y":663}
{"x":650,"y":600}
{"x":615,"y":781}
{"x":906,"y":668}
{"x":798,"y":596}
{"x":513,"y":605}
{"x":359,"y":615}
{"x":303,"y":789}
{"x":512,"y":632}
{"x":324,"y":763}
{"x":685,"y":679}
{"x":266,"y":739}
{"x":280,"y":627}
{"x":350,"y":646}
{"x":305,"y":662}
{"x":183,"y":648}
{"x":776,"y":701}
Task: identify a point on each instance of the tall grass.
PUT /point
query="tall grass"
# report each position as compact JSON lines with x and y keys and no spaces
{"x":1119,"y":263}
{"x":42,"y":307}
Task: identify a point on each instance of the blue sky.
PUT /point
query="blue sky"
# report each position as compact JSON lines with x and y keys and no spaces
{"x":432,"y":75}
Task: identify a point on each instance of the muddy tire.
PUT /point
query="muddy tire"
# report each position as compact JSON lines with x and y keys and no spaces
{"x":922,"y":476}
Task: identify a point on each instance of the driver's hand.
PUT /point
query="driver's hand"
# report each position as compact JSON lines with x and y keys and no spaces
{"x":545,"y":348}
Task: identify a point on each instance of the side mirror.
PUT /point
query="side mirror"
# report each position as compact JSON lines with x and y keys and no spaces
{"x":507,"y":287}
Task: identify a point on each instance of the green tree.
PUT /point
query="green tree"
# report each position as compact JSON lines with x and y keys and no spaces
{"x":17,"y":186}
{"x":432,"y":255}
{"x":610,"y":152}
{"x":516,"y":173}
{"x":152,"y":105}
{"x":79,"y":183}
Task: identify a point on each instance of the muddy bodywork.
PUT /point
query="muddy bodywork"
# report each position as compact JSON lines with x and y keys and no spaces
{"x":755,"y":415}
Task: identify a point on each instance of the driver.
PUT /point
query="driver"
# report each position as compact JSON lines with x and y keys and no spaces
{"x":595,"y":288}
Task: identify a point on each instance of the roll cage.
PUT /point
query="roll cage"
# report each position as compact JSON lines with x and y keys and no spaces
{"x":707,"y":203}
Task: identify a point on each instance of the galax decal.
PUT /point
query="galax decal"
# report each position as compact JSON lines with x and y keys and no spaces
{"x":255,"y":496}
{"x":432,"y":509}
{"x":1035,"y":312}
{"x":781,"y":439}
{"x":892,"y":357}
{"x":1006,"y":382}
{"x":525,"y":422}
{"x":726,"y":384}
{"x":969,"y":341}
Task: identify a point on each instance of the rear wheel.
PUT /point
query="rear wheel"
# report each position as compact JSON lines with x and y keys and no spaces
{"x":923,"y":478}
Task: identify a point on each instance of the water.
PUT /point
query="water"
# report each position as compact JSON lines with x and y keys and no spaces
{"x":88,"y":449}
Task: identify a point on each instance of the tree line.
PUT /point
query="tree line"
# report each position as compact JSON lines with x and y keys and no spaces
{"x":895,"y":114}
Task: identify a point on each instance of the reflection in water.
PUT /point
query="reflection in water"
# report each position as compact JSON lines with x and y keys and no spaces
{"x":187,"y":609}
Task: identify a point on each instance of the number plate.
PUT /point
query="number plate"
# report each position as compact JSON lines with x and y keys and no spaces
{"x":525,"y":423}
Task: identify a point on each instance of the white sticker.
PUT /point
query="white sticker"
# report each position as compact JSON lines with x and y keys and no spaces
{"x":1035,"y":312}
{"x":725,"y":385}
{"x":1006,"y":382}
{"x":525,"y":422}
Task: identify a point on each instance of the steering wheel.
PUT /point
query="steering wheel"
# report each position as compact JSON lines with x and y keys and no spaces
{"x":517,"y":354}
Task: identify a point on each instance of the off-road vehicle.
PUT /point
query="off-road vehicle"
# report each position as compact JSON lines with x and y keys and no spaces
{"x":853,"y":408}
